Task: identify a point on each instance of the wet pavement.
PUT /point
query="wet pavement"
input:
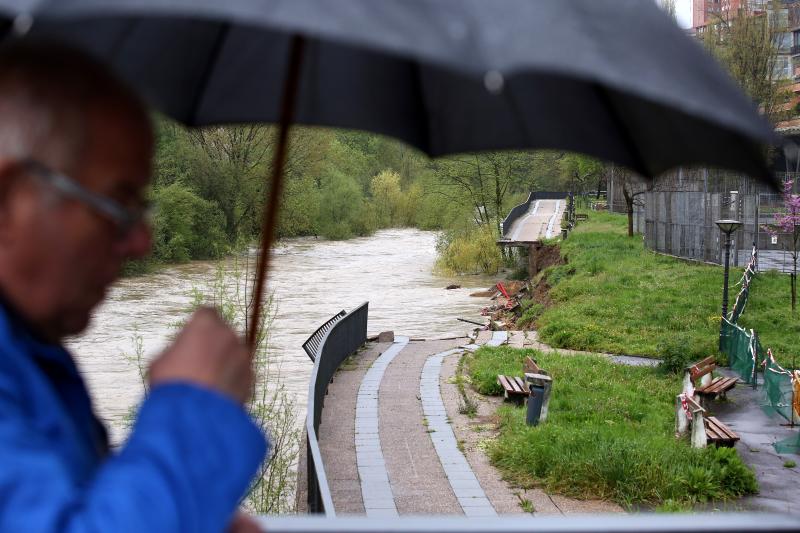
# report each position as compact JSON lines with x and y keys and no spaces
{"x":779,"y":485}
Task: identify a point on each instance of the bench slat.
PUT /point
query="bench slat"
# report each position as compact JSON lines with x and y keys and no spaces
{"x":724,"y":431}
{"x":712,"y":433}
{"x":504,"y":382}
{"x":718,"y":386}
{"x":512,"y":385}
{"x":718,"y":432}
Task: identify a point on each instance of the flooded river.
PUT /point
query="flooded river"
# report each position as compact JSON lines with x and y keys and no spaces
{"x":311,"y":280}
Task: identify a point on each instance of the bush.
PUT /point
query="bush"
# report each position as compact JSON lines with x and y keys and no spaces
{"x":474,"y":252}
{"x":675,"y":354}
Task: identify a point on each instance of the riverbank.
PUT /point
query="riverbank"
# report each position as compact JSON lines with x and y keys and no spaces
{"x":311,"y":280}
{"x":607,"y":293}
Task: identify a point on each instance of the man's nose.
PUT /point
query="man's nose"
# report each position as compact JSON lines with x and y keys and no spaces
{"x":136,"y":242}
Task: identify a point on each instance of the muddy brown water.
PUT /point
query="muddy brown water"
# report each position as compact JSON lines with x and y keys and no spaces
{"x":311,"y":280}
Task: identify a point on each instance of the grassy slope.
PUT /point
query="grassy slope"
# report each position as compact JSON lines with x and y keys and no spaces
{"x":615,"y":296}
{"x":609,"y":435}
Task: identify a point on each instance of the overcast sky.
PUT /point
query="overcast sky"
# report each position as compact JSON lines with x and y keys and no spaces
{"x":683,"y":9}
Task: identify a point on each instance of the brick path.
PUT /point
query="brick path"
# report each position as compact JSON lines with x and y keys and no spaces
{"x":390,"y":446}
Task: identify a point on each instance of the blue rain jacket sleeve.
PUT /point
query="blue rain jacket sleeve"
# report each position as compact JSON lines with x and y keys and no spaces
{"x":185,"y":467}
{"x":187,"y":463}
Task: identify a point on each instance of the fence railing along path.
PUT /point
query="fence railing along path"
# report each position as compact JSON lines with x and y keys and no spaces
{"x":344,"y":336}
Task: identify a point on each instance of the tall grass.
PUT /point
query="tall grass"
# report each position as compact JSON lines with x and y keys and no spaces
{"x":609,"y":435}
{"x":616,"y":296}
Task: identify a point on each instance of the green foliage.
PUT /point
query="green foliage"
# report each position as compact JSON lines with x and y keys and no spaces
{"x":271,"y":407}
{"x":471,"y":253}
{"x":338,"y":184}
{"x":789,"y":464}
{"x":386,"y":197}
{"x":343,"y":211}
{"x":609,"y":435}
{"x":186,"y":226}
{"x":674,"y":355}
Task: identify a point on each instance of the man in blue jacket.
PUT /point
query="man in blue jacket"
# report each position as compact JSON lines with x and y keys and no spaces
{"x":75,"y":161}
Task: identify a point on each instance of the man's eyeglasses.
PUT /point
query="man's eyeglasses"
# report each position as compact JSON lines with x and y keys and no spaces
{"x":124,"y":218}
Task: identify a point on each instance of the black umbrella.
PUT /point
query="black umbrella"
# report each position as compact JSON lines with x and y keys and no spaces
{"x":615,"y":79}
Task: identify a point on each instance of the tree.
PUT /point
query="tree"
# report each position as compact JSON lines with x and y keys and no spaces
{"x":386,"y":197}
{"x":483,"y":181}
{"x":669,"y":7}
{"x":186,"y":226}
{"x":788,"y":222}
{"x":580,"y":171}
{"x":747,"y":42}
{"x":343,"y":211}
{"x":632,"y":190}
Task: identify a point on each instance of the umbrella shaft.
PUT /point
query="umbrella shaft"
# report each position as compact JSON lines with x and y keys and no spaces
{"x":272,"y":202}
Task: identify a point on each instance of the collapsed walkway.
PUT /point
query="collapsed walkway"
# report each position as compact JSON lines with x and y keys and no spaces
{"x":394,"y":443}
{"x":541,"y":221}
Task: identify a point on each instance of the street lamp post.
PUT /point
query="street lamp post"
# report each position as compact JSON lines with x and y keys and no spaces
{"x":727,"y":227}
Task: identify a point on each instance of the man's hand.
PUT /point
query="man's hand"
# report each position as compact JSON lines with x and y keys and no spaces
{"x":207,"y":352}
{"x":243,"y":523}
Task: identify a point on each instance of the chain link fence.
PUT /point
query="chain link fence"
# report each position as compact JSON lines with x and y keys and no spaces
{"x":676,"y":214}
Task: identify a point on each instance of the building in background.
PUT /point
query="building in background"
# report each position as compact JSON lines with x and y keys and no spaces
{"x":675,"y":213}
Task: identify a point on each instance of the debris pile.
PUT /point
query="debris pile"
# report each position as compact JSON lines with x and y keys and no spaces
{"x":506,"y":297}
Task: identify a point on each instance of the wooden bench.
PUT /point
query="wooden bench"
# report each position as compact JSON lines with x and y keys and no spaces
{"x":705,"y":430}
{"x":514,"y":388}
{"x":709,"y":386}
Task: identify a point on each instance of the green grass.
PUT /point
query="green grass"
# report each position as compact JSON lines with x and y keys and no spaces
{"x":613,"y":295}
{"x":609,"y":435}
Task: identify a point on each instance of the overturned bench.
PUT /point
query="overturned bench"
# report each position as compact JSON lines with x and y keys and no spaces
{"x":514,"y":388}
{"x":706,"y":430}
{"x":709,"y":387}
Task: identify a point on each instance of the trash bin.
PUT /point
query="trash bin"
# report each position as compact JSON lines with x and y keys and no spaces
{"x":539,"y":385}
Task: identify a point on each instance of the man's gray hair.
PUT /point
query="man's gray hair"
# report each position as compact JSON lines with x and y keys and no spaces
{"x":46,"y":91}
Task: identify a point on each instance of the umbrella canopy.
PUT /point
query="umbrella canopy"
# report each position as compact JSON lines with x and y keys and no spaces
{"x":615,"y":79}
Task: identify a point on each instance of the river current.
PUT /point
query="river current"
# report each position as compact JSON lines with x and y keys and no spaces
{"x":311,"y":280}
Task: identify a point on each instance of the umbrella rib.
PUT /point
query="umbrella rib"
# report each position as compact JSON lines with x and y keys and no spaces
{"x":638,"y":161}
{"x":209,"y":70}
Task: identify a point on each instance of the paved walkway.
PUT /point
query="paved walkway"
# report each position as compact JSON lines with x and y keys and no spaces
{"x":394,"y":443}
{"x":542,"y":221}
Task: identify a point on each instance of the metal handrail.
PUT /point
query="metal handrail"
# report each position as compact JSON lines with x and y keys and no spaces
{"x":607,"y":523}
{"x":314,"y":341}
{"x":515,"y":213}
{"x":344,"y":337}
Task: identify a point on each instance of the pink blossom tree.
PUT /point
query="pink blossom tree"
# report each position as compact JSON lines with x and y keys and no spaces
{"x":788,"y":222}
